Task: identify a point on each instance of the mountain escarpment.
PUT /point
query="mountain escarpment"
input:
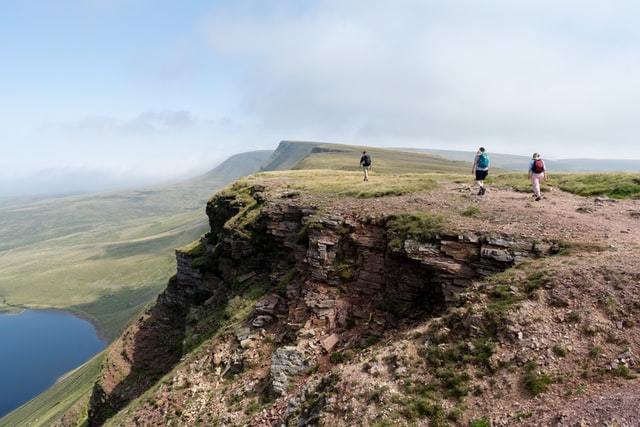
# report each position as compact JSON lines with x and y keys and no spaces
{"x":301,"y":309}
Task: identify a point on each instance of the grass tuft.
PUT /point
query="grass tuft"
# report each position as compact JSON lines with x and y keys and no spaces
{"x":471,"y":211}
{"x":419,"y":226}
{"x":614,"y":185}
{"x":480,"y":422}
{"x":536,"y":381}
{"x":350,"y":184}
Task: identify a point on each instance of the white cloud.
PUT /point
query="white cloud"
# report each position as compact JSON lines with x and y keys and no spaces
{"x":152,"y":146}
{"x":148,"y":122}
{"x":546,"y":75}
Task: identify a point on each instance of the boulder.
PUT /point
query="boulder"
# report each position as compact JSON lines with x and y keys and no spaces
{"x":286,"y":362}
{"x":330,"y":342}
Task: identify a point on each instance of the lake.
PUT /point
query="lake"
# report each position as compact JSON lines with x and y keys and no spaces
{"x":36,"y":348}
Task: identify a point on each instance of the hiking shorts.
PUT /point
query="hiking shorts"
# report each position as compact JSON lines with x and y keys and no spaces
{"x":481,"y":175}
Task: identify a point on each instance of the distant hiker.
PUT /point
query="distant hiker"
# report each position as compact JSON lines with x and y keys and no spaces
{"x":481,"y":169}
{"x":537,"y":173}
{"x":365,"y":162}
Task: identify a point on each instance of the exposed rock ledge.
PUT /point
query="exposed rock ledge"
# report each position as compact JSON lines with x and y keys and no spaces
{"x":326,"y":274}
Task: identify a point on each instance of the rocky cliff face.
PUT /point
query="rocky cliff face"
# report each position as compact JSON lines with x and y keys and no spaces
{"x":332,"y":277}
{"x":284,"y":288}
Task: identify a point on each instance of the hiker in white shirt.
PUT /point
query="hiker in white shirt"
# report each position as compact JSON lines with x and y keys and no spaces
{"x":537,"y":173}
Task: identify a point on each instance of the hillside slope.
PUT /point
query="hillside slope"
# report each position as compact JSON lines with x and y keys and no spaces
{"x":320,"y":155}
{"x":104,"y":256}
{"x":426,"y":306}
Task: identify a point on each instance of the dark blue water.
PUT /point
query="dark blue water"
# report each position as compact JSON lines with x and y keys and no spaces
{"x":36,"y":348}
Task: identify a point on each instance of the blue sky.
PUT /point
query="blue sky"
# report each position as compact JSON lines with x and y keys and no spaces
{"x":139,"y":91}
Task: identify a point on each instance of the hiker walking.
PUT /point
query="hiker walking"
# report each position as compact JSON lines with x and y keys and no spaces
{"x":481,"y":169}
{"x":537,"y":173}
{"x":365,"y":162}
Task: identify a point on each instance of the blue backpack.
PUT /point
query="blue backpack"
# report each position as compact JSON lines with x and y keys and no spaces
{"x":483,"y":161}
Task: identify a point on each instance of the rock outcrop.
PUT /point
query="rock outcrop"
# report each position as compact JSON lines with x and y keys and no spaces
{"x":324,"y":277}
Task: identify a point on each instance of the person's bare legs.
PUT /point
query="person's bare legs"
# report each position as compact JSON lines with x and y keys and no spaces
{"x":366,"y":172}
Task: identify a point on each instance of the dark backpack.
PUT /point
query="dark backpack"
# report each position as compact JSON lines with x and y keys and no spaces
{"x":538,"y":166}
{"x":366,"y":160}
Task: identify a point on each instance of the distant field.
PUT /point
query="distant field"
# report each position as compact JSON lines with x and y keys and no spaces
{"x":104,"y":256}
{"x":105,"y":274}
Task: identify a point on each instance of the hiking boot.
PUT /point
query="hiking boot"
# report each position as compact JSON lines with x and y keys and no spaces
{"x":538,"y":198}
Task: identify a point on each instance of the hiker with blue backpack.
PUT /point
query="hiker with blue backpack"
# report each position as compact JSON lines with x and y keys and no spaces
{"x":481,"y":169}
{"x":537,"y":173}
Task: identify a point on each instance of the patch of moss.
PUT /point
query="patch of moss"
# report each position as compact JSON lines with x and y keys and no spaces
{"x":502,"y":300}
{"x":459,"y":354}
{"x":421,"y":407}
{"x":471,"y":211}
{"x":420,"y":226}
{"x":345,"y":272}
{"x":242,"y":194}
{"x":194,"y":249}
{"x":480,"y":422}
{"x":536,"y":280}
{"x":454,"y":384}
